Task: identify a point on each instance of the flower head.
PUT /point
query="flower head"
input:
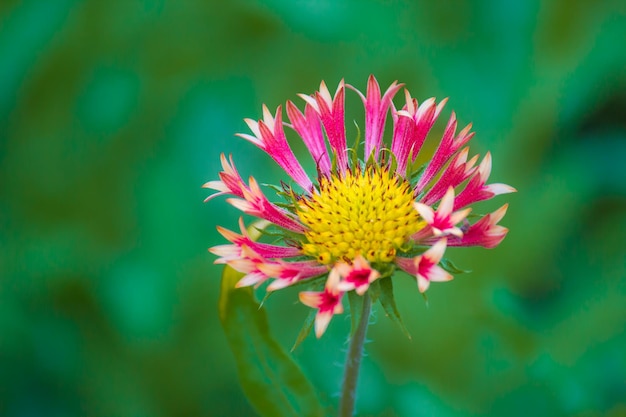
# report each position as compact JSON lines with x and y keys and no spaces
{"x":362,"y":216}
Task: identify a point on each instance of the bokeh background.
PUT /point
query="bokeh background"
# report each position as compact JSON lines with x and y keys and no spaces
{"x":114,"y":113}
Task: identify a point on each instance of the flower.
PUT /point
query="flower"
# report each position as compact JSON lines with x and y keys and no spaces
{"x":356,"y":276}
{"x":443,"y":221}
{"x":363,"y":215}
{"x":327,"y":302}
{"x":425,"y":267}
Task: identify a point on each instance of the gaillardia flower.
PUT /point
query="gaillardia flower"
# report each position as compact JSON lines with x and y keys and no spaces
{"x":365,"y":213}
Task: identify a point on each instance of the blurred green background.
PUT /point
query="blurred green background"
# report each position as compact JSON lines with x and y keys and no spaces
{"x":114,"y":113}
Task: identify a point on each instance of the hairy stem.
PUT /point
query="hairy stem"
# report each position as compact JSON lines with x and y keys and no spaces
{"x":353,"y":361}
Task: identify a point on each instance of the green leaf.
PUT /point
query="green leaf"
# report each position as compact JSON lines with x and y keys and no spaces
{"x":449,"y":266}
{"x":273,"y":382}
{"x":388,"y":302}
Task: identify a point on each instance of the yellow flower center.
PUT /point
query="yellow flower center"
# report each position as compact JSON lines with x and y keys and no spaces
{"x":369,"y":213}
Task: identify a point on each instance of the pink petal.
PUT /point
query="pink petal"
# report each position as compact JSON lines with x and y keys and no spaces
{"x":497,"y":189}
{"x":308,"y":126}
{"x":476,"y":190}
{"x":376,"y":108}
{"x":230,"y":180}
{"x":412,"y":125}
{"x":422,"y":284}
{"x":426,"y":212}
{"x":331,"y":112}
{"x":357,"y":276}
{"x":438,"y":274}
{"x":321,"y":322}
{"x":256,"y":204}
{"x":485,"y":232}
{"x":262,"y":249}
{"x":447,"y":202}
{"x":328,"y":302}
{"x":446,"y":149}
{"x":310,"y":298}
{"x":287,"y":273}
{"x":270,"y":137}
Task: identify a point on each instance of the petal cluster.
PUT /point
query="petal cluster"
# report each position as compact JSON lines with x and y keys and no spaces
{"x":432,"y":203}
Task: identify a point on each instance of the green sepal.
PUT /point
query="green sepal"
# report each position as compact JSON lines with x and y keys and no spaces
{"x":425,"y":297}
{"x":286,"y":206}
{"x":387,"y":300}
{"x":393,"y":161}
{"x":274,"y":232}
{"x":306,"y":329}
{"x":385,"y":269}
{"x":356,"y":309}
{"x":279,"y":190}
{"x":266,"y":297}
{"x":450,"y":267}
{"x":411,"y":250}
{"x":393,"y":165}
{"x":287,"y":193}
{"x":414,"y":173}
{"x":355,"y":148}
{"x":333,"y":161}
{"x":374,"y":290}
{"x":272,"y":381}
{"x":371,"y":161}
{"x":474,"y":216}
{"x":315,"y":284}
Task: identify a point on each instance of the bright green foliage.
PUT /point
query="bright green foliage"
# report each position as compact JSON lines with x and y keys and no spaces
{"x":274,"y":384}
{"x":388,"y":302}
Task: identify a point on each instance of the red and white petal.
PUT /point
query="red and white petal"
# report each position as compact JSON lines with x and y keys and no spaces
{"x":435,"y":274}
{"x":376,"y":108}
{"x":424,"y":267}
{"x":476,"y":190}
{"x":262,"y":249}
{"x":485,"y":232}
{"x":255,"y":278}
{"x":287,"y":273}
{"x":445,"y":205}
{"x":256,"y":204}
{"x":248,"y":263}
{"x":308,"y":127}
{"x":448,"y":146}
{"x":443,"y":221}
{"x":331,"y":112}
{"x":435,"y":253}
{"x":327,"y":302}
{"x":270,"y":137}
{"x":217,"y":186}
{"x":226,"y":253}
{"x":358,"y":276}
{"x":425,"y":212}
{"x":499,"y":188}
{"x":230,"y":181}
{"x":322,"y":320}
{"x":457,"y":171}
{"x":412,"y":125}
{"x":311,"y":298}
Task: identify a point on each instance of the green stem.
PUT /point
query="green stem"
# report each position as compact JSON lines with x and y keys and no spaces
{"x":353,"y":361}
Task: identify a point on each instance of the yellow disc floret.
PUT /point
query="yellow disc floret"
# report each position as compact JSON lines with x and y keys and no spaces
{"x":366,"y":212}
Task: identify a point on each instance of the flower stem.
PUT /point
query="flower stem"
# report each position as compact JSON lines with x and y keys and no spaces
{"x":353,"y":361}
